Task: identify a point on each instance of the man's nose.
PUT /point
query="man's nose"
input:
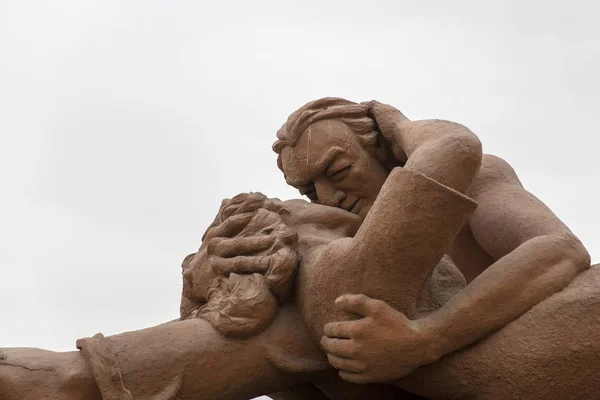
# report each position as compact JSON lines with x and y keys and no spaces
{"x":328,"y":195}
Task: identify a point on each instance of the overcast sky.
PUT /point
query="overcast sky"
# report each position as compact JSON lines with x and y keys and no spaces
{"x":124,"y":124}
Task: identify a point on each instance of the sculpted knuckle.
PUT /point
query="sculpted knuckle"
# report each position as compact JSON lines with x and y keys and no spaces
{"x":186,"y":263}
{"x":334,"y":361}
{"x":370,"y":325}
{"x":361,"y":298}
{"x":355,"y":350}
{"x":326,"y":343}
{"x":332,"y":329}
{"x":358,"y":330}
{"x":230,"y":223}
{"x":211,"y":248}
{"x":378,"y":307}
{"x":215,"y":265}
{"x":208,"y":234}
{"x":361,"y":367}
{"x":274,"y":244}
{"x":358,"y":378}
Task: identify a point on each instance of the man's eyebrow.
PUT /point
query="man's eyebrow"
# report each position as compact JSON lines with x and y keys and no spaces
{"x":329,"y":156}
{"x":320,"y":167}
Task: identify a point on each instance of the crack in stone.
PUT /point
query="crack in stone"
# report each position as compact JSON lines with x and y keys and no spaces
{"x":3,"y":357}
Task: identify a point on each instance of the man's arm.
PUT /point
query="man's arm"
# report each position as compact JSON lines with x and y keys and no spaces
{"x":536,"y":253}
{"x":444,"y":151}
{"x":537,"y":256}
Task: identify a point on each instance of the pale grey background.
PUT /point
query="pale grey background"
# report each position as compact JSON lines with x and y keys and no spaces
{"x":124,"y":123}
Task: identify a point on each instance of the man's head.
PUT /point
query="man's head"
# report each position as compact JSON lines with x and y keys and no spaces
{"x":332,"y":152}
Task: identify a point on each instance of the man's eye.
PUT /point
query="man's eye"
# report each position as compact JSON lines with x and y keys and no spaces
{"x":340,"y":172}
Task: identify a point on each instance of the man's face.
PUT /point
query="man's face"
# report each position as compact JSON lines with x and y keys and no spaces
{"x":329,"y":166}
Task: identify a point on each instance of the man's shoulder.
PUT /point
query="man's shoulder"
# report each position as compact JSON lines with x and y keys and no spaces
{"x":494,"y":172}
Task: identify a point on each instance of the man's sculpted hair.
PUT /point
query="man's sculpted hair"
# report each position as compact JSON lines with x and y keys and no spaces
{"x":354,"y":115}
{"x":241,"y":305}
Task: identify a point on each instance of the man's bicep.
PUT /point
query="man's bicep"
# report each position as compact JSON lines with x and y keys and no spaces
{"x":508,"y":215}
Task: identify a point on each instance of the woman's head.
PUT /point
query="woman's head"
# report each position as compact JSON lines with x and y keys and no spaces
{"x":245,"y":302}
{"x":252,"y":268}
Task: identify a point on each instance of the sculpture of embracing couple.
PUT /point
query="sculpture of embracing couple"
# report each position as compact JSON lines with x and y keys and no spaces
{"x":421,"y":268}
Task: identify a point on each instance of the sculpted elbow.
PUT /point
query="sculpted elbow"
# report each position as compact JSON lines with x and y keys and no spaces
{"x":464,"y":155}
{"x":582,"y":258}
{"x":470,"y":149}
{"x":575,"y":253}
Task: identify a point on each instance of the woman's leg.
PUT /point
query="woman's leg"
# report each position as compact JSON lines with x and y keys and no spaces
{"x":177,"y":360}
{"x":36,"y":374}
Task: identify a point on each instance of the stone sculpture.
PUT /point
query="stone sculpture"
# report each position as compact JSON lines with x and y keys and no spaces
{"x":420,"y":268}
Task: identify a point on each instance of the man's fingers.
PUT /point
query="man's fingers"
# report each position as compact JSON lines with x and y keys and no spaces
{"x":354,"y":377}
{"x":231,"y":247}
{"x":345,"y":364}
{"x":385,"y":115}
{"x":342,"y":329}
{"x":240,"y":265}
{"x":340,"y":347}
{"x":357,"y":304}
{"x":389,"y":120}
{"x":230,"y":227}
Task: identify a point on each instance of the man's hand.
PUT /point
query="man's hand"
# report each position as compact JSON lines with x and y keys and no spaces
{"x":444,"y":151}
{"x":382,"y":346}
{"x":393,"y":125}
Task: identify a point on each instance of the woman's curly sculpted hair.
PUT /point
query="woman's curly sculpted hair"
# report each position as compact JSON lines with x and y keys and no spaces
{"x":240,"y":305}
